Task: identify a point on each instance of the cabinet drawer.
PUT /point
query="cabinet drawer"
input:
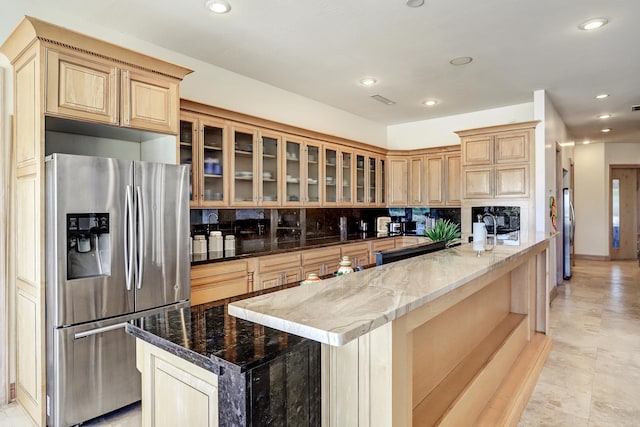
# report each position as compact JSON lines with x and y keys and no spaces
{"x":213,"y":291}
{"x":211,"y":282}
{"x":320,"y":256}
{"x":358,"y":252}
{"x":218,"y":272}
{"x":383,"y":245}
{"x":278,"y":262}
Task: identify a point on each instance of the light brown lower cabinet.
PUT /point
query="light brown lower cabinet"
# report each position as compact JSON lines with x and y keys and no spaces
{"x":357,"y":252}
{"x":320,"y":261}
{"x":276,"y":270}
{"x":210,"y":282}
{"x":174,"y":391}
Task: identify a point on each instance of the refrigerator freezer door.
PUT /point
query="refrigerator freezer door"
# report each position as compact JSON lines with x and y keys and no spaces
{"x":86,"y":189}
{"x":162,"y":210}
{"x":92,"y":372}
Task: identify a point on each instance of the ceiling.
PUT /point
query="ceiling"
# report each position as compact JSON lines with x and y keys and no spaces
{"x":320,"y":49}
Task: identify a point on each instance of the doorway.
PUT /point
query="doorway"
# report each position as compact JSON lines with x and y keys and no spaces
{"x":624,"y":240}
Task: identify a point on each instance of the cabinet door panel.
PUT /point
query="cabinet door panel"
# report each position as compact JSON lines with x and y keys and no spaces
{"x":512,"y":147}
{"x":477,"y":183}
{"x":295,"y":173}
{"x":314,"y":174}
{"x":477,"y":150}
{"x":397,"y":182}
{"x":511,"y":181}
{"x":435,"y":175}
{"x":81,"y":89}
{"x":416,"y":181}
{"x":148,"y":102}
{"x":452,"y":181}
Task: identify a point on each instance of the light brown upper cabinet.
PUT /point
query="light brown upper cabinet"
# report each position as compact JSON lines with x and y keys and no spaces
{"x":88,"y":88}
{"x":368,"y":180}
{"x":346,"y":180}
{"x":302,"y":172}
{"x":416,"y":181}
{"x":256,"y":166}
{"x":443,"y":179}
{"x":203,"y":146}
{"x":397,"y":181}
{"x":496,"y":161}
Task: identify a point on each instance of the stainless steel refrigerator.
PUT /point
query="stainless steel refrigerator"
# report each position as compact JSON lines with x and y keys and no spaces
{"x":568,"y":230}
{"x":117,"y":237}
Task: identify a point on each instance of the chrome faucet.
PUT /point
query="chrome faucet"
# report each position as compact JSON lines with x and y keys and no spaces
{"x":495,"y":228}
{"x":209,"y":219}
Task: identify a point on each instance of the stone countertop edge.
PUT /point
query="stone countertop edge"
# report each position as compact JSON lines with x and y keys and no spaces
{"x":373,"y":297}
{"x":210,"y":363}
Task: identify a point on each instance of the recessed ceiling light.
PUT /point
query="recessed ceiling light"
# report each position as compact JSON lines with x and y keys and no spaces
{"x":604,"y":116}
{"x":462,"y":60}
{"x":368,"y":81}
{"x":602,"y":96}
{"x":383,"y":99}
{"x":586,"y":141}
{"x":218,"y":6}
{"x":415,"y":3}
{"x":605,"y":130}
{"x":430,"y":102}
{"x":593,"y":24}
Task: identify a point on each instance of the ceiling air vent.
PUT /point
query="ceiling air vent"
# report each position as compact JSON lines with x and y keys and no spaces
{"x":635,"y":108}
{"x":383,"y":99}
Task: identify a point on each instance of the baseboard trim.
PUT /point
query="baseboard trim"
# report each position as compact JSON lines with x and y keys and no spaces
{"x":593,"y":257}
{"x":553,"y":294}
{"x":12,"y":392}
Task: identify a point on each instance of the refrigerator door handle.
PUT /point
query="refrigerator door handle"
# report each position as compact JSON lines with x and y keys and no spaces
{"x":97,"y":331}
{"x":128,"y":236}
{"x":141,"y":242}
{"x":572,"y":221}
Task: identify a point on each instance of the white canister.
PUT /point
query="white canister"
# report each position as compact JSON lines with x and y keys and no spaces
{"x":199,"y":244}
{"x":215,"y":241}
{"x":229,"y":242}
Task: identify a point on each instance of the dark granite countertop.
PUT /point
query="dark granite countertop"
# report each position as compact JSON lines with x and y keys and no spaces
{"x":267,"y":247}
{"x":209,"y":337}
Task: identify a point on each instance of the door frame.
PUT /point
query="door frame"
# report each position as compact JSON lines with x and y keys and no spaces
{"x":610,"y":186}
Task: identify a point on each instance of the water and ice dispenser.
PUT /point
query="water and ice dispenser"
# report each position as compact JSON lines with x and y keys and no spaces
{"x":88,"y":245}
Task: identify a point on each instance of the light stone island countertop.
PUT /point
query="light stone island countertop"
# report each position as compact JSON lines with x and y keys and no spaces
{"x":340,"y":309}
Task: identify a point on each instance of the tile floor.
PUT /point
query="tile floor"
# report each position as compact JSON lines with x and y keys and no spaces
{"x":592,"y":376}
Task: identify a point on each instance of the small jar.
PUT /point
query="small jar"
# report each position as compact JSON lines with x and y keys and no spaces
{"x":199,"y":244}
{"x":311,"y":278}
{"x":230,"y":242}
{"x":345,"y":266}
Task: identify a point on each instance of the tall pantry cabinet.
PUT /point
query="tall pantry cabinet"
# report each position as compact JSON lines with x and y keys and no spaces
{"x":63,"y":74}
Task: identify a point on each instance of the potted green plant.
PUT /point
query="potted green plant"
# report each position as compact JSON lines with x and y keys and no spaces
{"x":444,"y":230}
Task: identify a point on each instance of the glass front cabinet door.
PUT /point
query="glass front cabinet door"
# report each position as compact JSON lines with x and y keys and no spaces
{"x":346,"y":178}
{"x":382,"y":186}
{"x":372,"y":181}
{"x":269,"y":168}
{"x":244,"y":163}
{"x":313,"y":174}
{"x":361,"y":176}
{"x":294,"y":161}
{"x":213,"y":185}
{"x":331,"y":176}
{"x":188,"y":154}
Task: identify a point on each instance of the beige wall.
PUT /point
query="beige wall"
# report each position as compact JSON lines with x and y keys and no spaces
{"x":441,"y":131}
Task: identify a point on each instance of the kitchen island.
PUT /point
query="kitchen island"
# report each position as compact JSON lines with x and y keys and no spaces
{"x":448,"y":338}
{"x":202,"y":367}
